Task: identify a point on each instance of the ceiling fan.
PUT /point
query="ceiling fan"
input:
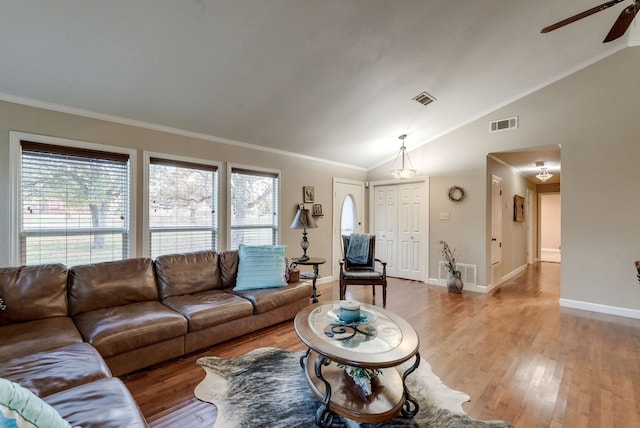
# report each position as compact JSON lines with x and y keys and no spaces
{"x":619,"y":27}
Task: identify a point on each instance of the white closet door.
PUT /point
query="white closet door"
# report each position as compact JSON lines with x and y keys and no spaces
{"x":411,"y":257}
{"x":400,"y":218}
{"x":390,"y":237}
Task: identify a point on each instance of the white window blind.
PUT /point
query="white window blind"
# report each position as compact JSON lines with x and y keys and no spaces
{"x":254,"y":207}
{"x":182,"y":207}
{"x":74,"y":205}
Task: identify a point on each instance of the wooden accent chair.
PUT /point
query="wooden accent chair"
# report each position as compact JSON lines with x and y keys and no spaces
{"x":365,"y":273}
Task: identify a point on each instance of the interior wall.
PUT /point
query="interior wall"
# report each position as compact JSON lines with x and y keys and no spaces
{"x":295,"y":171}
{"x":550,"y":216}
{"x":593,"y":115}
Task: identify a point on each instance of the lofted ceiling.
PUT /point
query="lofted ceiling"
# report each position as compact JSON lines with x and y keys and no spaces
{"x":325,"y":79}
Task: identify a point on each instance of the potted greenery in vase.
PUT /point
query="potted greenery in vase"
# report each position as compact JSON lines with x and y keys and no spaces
{"x":454,"y":283}
{"x":363,"y":379}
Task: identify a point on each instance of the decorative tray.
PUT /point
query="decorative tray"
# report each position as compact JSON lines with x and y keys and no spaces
{"x":366,"y":317}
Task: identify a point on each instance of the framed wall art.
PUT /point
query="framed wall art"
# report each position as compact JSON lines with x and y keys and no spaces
{"x":307,"y":194}
{"x":518,"y":208}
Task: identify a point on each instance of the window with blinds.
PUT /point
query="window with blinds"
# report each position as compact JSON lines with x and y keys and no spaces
{"x":254,"y":207}
{"x":74,"y":205}
{"x":183,"y":197}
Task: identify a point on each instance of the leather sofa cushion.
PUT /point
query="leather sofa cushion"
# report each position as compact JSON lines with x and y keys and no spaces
{"x":33,"y":292}
{"x":124,"y":328}
{"x":108,"y":284}
{"x":34,"y":336}
{"x":48,"y":372}
{"x":229,"y":268}
{"x":105,"y":403}
{"x":187,"y":273}
{"x":268,"y":299}
{"x":209,"y":308}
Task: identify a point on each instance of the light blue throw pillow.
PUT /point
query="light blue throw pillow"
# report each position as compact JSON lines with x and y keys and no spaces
{"x":260,"y":266}
{"x":22,"y":408}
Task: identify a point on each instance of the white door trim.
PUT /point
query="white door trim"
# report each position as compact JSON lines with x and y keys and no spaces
{"x":529,"y":218}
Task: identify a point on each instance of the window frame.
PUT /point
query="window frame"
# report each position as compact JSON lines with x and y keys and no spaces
{"x":15,"y":171}
{"x":277,"y":172}
{"x":146,"y":229}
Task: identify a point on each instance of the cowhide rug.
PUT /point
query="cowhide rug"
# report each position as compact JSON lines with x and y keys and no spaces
{"x":267,"y":388}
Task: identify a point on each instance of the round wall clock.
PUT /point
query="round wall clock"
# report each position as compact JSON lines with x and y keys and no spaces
{"x":456,"y":193}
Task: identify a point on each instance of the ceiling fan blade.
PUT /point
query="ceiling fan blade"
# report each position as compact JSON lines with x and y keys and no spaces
{"x":581,"y":15}
{"x":622,"y":23}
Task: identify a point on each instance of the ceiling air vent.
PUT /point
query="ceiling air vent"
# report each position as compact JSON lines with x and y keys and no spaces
{"x":424,"y":98}
{"x":502,"y":124}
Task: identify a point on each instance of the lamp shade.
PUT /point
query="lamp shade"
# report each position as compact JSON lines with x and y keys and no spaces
{"x":303,"y":220}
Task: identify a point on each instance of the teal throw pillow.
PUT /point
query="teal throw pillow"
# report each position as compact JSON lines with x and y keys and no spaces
{"x":21,"y":407}
{"x":260,"y":266}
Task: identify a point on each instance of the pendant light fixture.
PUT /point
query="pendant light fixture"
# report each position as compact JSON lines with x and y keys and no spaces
{"x":402,"y":166}
{"x":544,"y":173}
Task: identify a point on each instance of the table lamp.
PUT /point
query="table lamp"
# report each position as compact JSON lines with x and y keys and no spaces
{"x":303,"y":220}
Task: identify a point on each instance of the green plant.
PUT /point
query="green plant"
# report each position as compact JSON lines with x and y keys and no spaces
{"x":362,"y":377}
{"x":360,"y":372}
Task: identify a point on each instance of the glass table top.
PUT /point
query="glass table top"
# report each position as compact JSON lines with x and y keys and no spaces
{"x":375,"y":333}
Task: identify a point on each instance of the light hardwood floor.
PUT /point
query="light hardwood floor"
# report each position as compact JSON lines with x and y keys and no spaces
{"x":518,"y":355}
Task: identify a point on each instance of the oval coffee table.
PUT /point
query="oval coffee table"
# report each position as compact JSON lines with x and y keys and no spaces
{"x":382,"y":340}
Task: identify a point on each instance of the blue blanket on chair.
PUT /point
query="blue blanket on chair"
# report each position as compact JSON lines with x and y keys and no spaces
{"x":358,"y":251}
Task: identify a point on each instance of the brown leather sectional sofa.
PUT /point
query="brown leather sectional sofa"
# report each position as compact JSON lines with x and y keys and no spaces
{"x":66,"y":332}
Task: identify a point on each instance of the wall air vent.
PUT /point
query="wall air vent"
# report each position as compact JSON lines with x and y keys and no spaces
{"x":468,"y":272}
{"x":424,"y":98}
{"x":502,"y":124}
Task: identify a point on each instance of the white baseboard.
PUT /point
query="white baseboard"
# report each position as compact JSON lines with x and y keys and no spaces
{"x":513,"y":273}
{"x":602,"y":309}
{"x":506,"y":277}
{"x":466,"y":287}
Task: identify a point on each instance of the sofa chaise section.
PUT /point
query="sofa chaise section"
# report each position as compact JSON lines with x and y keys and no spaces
{"x":115,"y":306}
{"x":42,"y":351}
{"x":47,"y":372}
{"x":105,"y":403}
